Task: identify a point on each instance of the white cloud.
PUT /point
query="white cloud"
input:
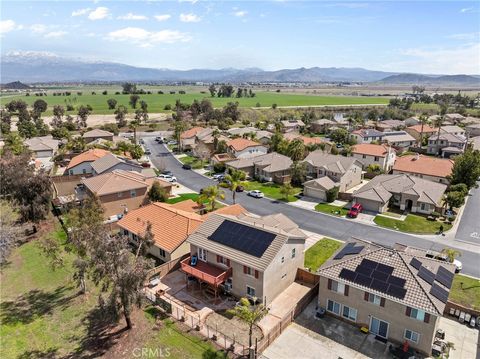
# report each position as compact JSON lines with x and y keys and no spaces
{"x":7,"y":26}
{"x":145,"y":38}
{"x":190,"y":1}
{"x":466,"y":9}
{"x":81,"y":12}
{"x":465,"y":36}
{"x":99,"y":13}
{"x":240,"y":13}
{"x":189,"y":18}
{"x":55,"y":34}
{"x":348,"y":5}
{"x":38,"y":28}
{"x":131,"y":16}
{"x":163,"y":17}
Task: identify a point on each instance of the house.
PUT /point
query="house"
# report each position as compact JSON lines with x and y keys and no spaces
{"x":407,"y":192}
{"x":454,"y":117}
{"x":319,"y":187}
{"x":120,"y":191}
{"x":453,"y":130}
{"x":248,"y":256}
{"x":416,"y":131}
{"x":42,"y":147}
{"x":187,"y":138}
{"x":390,"y":125}
{"x":271,"y":167}
{"x":400,"y":140}
{"x":473,"y":130}
{"x":241,"y":131}
{"x":446,"y":144}
{"x":426,"y":167}
{"x":366,"y":135}
{"x":82,"y":163}
{"x":205,"y":143}
{"x":309,"y":141}
{"x":411,"y":121}
{"x":369,"y":154}
{"x":346,"y":172}
{"x":221,"y":158}
{"x":322,"y":125}
{"x":263,"y":137}
{"x":292,"y":125}
{"x":398,"y":296}
{"x":96,"y":134}
{"x":111,"y":162}
{"x":242,"y":148}
{"x":475,"y":142}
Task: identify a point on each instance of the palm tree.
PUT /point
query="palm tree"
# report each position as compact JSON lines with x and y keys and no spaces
{"x":133,"y":126}
{"x":438,"y":123}
{"x":287,"y":190}
{"x":451,"y":254}
{"x":296,"y":150}
{"x":211,"y":194}
{"x":250,"y":314}
{"x":235,"y":179}
{"x":423,"y":119}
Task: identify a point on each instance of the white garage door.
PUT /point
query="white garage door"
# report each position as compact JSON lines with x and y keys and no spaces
{"x":315,"y":193}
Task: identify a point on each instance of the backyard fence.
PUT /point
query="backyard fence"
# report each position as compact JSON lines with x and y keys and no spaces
{"x":165,"y":268}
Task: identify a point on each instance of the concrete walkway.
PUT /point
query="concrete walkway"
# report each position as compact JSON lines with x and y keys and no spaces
{"x":464,"y":338}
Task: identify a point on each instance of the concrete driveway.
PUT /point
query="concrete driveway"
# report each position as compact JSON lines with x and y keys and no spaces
{"x":465,"y":339}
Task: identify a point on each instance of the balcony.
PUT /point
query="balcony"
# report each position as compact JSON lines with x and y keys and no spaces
{"x":206,"y":272}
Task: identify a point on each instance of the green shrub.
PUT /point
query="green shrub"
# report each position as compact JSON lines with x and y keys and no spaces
{"x":332,"y":194}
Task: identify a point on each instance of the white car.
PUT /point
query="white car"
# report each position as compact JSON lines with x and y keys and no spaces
{"x":172,"y":142}
{"x":114,"y":218}
{"x":255,"y":193}
{"x":443,"y":257}
{"x":168,"y":178}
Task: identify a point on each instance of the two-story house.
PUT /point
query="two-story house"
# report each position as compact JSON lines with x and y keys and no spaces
{"x":369,"y":154}
{"x":271,"y":167}
{"x":82,"y":163}
{"x":243,"y":148}
{"x":446,"y":144}
{"x":366,"y":135}
{"x":292,"y":125}
{"x":426,"y":167}
{"x":398,"y":296}
{"x":423,"y":131}
{"x":248,"y":256}
{"x":111,"y":162}
{"x":400,"y":140}
{"x":322,"y":125}
{"x":42,"y":147}
{"x":188,"y":137}
{"x":97,"y":134}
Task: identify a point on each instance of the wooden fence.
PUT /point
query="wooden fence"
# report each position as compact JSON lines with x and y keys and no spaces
{"x":305,"y":277}
{"x":460,"y":307}
{"x":165,"y":268}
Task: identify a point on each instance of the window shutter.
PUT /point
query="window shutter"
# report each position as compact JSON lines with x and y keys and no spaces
{"x":408,"y":311}
{"x":427,"y":318}
{"x":382,"y":302}
{"x":218,"y":259}
{"x":346,"y":290}
{"x":228,"y":262}
{"x":245,"y":269}
{"x":366,"y":296}
{"x":256,"y":273}
{"x":329,"y":284}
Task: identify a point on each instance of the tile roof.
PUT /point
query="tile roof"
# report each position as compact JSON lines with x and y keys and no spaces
{"x":397,"y":136}
{"x":87,"y":156}
{"x":426,"y":165}
{"x":45,"y":143}
{"x":452,"y":129}
{"x":371,"y":149}
{"x":324,"y":182}
{"x":97,"y":133}
{"x":170,"y":226}
{"x":426,"y":129}
{"x":418,"y":290}
{"x":109,"y":160}
{"x":368,"y":133}
{"x":293,"y":123}
{"x":448,"y":137}
{"x":239,"y":144}
{"x":334,"y":163}
{"x":270,"y":162}
{"x":192,"y":132}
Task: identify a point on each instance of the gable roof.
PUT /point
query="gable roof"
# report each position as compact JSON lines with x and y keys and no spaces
{"x":432,"y":166}
{"x":170,"y":226}
{"x":97,"y":133}
{"x":87,"y":156}
{"x":448,"y":137}
{"x":418,"y":129}
{"x":293,"y":123}
{"x":270,"y":162}
{"x":365,"y":132}
{"x":417,"y":290}
{"x":371,"y":149}
{"x":192,"y":132}
{"x":324,"y":182}
{"x":45,"y":143}
{"x":201,"y":238}
{"x":451,"y":129}
{"x":239,"y":144}
{"x":334,"y":163}
{"x":110,"y":160}
{"x":397,"y":136}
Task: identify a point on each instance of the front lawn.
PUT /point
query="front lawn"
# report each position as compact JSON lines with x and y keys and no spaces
{"x":271,"y":190}
{"x":320,"y":252}
{"x":466,"y":294}
{"x":413,"y":224}
{"x":183,"y":197}
{"x":331,"y":209}
{"x":196,"y":163}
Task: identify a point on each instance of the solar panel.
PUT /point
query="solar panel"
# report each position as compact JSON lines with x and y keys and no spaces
{"x":363,"y":280}
{"x":396,"y":281}
{"x":444,"y":276}
{"x":355,"y":250}
{"x":343,"y":251}
{"x":439,"y":293}
{"x":241,"y":237}
{"x":426,"y":275}
{"x":364,"y":270}
{"x":379,"y":285}
{"x":415,"y":263}
{"x":380,"y":275}
{"x":347,"y":274}
{"x":369,"y":264}
{"x":396,"y":291}
{"x":384,"y":268}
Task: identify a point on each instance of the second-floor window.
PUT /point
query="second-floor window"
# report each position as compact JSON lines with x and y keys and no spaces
{"x":375,"y":299}
{"x":293,"y":253}
{"x":338,"y":287}
{"x":417,"y":314}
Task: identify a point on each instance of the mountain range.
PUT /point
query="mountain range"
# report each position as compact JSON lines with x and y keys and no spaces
{"x":34,"y":67}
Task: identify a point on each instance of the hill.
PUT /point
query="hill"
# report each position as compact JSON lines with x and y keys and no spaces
{"x":411,"y":79}
{"x":16,"y":85}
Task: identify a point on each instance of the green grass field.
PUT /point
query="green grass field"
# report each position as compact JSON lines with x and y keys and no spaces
{"x":156,"y":102}
{"x":330,"y":209}
{"x":319,"y":253}
{"x":183,"y":197}
{"x":271,"y":190}
{"x":465,"y":291}
{"x":412,"y":224}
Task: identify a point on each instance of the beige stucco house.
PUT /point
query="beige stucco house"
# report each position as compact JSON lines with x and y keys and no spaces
{"x":370,"y":154}
{"x":271,"y":167}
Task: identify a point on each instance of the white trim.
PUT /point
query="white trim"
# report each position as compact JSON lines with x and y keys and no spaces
{"x":339,"y":307}
{"x":411,"y":331}
{"x":381,"y":320}
{"x":349,"y":309}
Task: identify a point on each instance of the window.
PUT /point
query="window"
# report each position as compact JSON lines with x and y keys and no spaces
{"x":293,"y":253}
{"x":375,"y":299}
{"x":84,"y":171}
{"x":338,"y":287}
{"x":284,"y":276}
{"x":411,"y":335}
{"x":249,"y":271}
{"x":349,"y":313}
{"x":202,"y":254}
{"x":417,"y":314}
{"x":133,"y":193}
{"x":162,"y":253}
{"x":250,"y":291}
{"x":333,"y":307}
{"x":364,"y":156}
{"x":223,"y":260}
{"x":283,"y":260}
{"x":376,"y":159}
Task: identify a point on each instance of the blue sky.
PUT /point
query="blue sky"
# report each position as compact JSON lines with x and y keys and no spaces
{"x":409,"y":36}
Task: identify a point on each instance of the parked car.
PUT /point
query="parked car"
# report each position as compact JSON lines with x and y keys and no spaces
{"x":355,"y":210}
{"x":255,"y":193}
{"x":114,"y":218}
{"x":145,"y":164}
{"x":167,"y":172}
{"x":168,"y":178}
{"x":186,"y":166}
{"x":172,"y":142}
{"x":444,"y":258}
{"x":159,"y":139}
{"x":239,"y":188}
{"x":216,"y":176}
{"x":141,"y":141}
{"x":148,"y":152}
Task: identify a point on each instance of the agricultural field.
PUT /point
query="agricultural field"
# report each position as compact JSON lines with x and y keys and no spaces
{"x":157,"y":102}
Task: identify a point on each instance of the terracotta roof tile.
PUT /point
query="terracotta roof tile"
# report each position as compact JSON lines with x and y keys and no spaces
{"x":87,"y":156}
{"x":191,"y":132}
{"x":371,"y":149}
{"x":426,"y":129}
{"x":432,"y":166}
{"x":239,"y":144}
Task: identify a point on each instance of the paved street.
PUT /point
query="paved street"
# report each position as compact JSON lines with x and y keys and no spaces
{"x":469,"y":227}
{"x":313,"y":221}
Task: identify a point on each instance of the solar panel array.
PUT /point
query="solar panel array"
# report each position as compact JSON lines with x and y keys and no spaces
{"x":426,"y":275}
{"x":444,"y":276}
{"x":376,"y":276}
{"x":244,"y":238}
{"x":439,"y":293}
{"x":350,"y":248}
{"x":415,"y":263}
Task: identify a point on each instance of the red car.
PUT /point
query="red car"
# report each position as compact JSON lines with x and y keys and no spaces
{"x":355,"y":210}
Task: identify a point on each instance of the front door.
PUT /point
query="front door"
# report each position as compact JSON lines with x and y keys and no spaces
{"x":379,"y":327}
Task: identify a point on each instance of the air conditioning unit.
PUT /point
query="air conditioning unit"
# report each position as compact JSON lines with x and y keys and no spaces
{"x":228,"y":287}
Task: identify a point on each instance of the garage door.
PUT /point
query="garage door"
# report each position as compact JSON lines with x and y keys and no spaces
{"x":315,"y":193}
{"x":368,"y":205}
